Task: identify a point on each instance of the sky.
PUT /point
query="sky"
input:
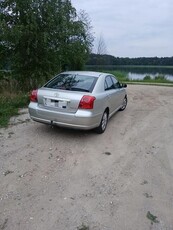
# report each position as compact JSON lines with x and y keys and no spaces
{"x":131,"y":28}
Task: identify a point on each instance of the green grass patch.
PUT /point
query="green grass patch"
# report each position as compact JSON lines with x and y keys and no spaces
{"x":121,"y":75}
{"x":9,"y":106}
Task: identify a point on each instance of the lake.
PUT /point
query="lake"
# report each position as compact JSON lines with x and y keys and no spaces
{"x":138,"y":72}
{"x":135,"y":73}
{"x":140,"y":76}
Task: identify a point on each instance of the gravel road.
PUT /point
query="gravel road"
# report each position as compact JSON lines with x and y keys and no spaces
{"x":60,"y":179}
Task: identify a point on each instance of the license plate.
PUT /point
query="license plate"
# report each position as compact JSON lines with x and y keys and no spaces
{"x":62,"y":104}
{"x":49,"y":102}
{"x":54,"y":103}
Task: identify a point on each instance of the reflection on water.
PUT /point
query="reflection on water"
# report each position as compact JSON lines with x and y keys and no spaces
{"x":136,"y":72}
{"x":140,"y":76}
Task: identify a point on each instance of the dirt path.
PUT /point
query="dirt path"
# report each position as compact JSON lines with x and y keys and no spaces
{"x":58,"y":179}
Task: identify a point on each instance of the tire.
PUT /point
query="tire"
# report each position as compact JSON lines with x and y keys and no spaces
{"x":103,"y":124}
{"x":124,"y":105}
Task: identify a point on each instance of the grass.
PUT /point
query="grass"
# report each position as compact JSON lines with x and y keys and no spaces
{"x":9,"y":106}
{"x":121,"y":75}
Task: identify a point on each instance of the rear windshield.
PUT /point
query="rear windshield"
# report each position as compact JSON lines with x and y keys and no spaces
{"x":73,"y":82}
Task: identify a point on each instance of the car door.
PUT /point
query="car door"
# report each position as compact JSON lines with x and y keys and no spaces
{"x":111,"y":94}
{"x":119,"y":91}
{"x":114,"y":93}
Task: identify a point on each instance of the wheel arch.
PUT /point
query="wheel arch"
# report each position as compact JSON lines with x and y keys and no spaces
{"x":107,"y":110}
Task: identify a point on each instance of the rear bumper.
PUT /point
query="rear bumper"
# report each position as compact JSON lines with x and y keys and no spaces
{"x":82,"y":119}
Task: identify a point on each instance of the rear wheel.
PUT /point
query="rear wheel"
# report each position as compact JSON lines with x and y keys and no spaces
{"x":124,"y":104}
{"x":103,"y":124}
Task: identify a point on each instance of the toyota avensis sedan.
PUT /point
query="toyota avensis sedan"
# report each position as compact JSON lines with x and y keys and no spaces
{"x":78,"y":99}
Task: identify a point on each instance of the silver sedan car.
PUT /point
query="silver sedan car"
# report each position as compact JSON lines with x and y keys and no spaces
{"x":78,"y":99}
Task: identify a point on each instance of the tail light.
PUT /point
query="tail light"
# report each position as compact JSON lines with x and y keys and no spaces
{"x":87,"y":102}
{"x":33,"y":96}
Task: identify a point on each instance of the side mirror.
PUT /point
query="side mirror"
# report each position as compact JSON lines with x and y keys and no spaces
{"x":123,"y":85}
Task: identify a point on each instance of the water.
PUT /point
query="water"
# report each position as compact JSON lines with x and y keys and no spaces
{"x":138,"y":76}
{"x":138,"y":72}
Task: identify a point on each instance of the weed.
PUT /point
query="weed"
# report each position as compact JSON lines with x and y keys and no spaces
{"x":144,"y":182}
{"x":107,"y":153}
{"x":147,"y":77}
{"x":83,"y":227}
{"x":9,"y":105}
{"x":147,"y":195}
{"x":160,"y":77}
{"x":152,"y":217}
{"x":8,"y":172}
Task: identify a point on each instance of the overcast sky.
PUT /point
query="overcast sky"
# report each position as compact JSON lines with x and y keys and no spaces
{"x":132,"y":28}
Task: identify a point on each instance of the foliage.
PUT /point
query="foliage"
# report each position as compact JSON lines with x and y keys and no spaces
{"x":160,"y":77}
{"x":122,"y":76}
{"x":42,"y":37}
{"x":80,"y":43}
{"x":9,"y":104}
{"x":147,"y":77}
{"x":141,"y":61}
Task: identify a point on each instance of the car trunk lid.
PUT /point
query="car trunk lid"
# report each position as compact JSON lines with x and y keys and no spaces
{"x":59,"y":100}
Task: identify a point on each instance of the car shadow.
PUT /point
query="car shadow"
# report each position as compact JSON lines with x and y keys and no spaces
{"x":66,"y":132}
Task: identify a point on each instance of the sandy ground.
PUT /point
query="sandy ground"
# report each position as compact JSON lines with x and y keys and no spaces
{"x":60,"y":179}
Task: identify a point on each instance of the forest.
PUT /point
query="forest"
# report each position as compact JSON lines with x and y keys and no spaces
{"x":104,"y":59}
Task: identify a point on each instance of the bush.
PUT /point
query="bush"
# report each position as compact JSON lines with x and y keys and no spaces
{"x":9,"y":105}
{"x":160,"y":77}
{"x":147,"y":77}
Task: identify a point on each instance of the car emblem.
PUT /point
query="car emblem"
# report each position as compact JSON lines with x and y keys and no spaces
{"x":56,"y":94}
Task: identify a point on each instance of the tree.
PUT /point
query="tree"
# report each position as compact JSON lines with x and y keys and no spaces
{"x":42,"y":37}
{"x":101,"y":47}
{"x":80,"y":41}
{"x":101,"y":51}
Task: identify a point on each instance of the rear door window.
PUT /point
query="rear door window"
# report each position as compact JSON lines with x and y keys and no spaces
{"x":109,"y":83}
{"x":116,"y":83}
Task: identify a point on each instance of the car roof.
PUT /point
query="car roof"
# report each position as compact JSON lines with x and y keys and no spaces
{"x":86,"y":73}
